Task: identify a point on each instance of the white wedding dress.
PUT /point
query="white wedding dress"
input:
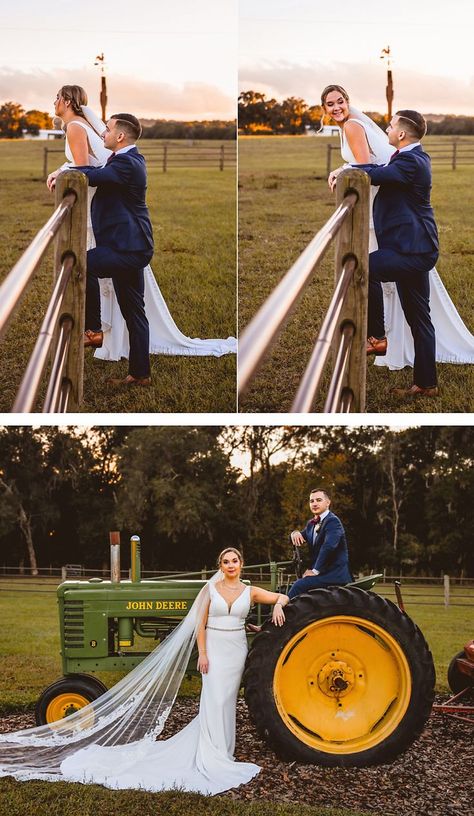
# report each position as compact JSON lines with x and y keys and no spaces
{"x":165,"y":337}
{"x":200,"y":756}
{"x":454,"y":342}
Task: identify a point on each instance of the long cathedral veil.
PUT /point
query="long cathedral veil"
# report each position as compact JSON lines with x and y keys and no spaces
{"x":136,"y":708}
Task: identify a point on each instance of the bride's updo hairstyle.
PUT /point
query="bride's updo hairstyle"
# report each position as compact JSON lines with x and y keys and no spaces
{"x":327,"y":90}
{"x":413,"y":122}
{"x":76,"y":96}
{"x":230,"y":550}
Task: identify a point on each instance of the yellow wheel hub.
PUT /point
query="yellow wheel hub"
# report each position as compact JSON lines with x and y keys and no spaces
{"x":63,"y":705}
{"x":342,"y":684}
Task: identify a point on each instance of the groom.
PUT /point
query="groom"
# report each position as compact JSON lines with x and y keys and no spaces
{"x":124,"y":243}
{"x":326,"y":540}
{"x":407,"y":247}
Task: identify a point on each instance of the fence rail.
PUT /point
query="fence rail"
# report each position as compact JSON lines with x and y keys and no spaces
{"x":167,"y":156}
{"x":60,"y":338}
{"x":453,"y":153}
{"x":344,"y":327}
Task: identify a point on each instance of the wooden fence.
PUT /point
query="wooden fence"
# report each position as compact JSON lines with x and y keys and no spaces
{"x":454,"y":153}
{"x":167,"y":156}
{"x":60,"y":338}
{"x":344,"y":329}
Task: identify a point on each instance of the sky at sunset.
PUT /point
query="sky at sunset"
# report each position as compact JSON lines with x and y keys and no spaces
{"x":296,"y":47}
{"x":164,"y":59}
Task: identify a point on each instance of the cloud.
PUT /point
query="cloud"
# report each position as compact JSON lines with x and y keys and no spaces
{"x":192,"y":100}
{"x":364,"y":83}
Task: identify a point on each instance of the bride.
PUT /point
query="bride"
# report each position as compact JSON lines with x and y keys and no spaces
{"x":84,"y":146}
{"x":112,"y":741}
{"x":363,"y":142}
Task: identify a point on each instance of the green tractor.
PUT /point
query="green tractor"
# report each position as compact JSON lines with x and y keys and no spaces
{"x":347,"y":681}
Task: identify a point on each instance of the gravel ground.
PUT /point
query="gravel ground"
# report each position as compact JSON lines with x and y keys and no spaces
{"x":435,"y":776}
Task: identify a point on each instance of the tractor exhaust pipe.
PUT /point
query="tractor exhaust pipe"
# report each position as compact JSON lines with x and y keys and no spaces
{"x":135,"y":560}
{"x":114,"y":539}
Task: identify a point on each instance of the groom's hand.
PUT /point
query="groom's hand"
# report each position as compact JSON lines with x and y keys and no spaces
{"x":297,"y":539}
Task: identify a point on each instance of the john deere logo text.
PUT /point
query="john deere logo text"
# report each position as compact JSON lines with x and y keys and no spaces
{"x":157,"y":605}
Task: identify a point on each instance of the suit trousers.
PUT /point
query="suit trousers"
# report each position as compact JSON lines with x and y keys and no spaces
{"x":411,"y":274}
{"x":126,"y":271}
{"x":305,"y":584}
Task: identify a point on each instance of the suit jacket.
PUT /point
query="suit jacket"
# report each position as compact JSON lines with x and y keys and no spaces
{"x":328,"y":551}
{"x":120,"y":217}
{"x":403,"y":217}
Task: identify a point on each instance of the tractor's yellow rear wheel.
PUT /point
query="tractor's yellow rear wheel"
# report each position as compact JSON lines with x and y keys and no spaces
{"x":66,"y":696}
{"x":347,"y":681}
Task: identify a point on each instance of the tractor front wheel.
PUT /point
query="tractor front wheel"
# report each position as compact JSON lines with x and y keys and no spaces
{"x":347,"y":681}
{"x":66,"y":696}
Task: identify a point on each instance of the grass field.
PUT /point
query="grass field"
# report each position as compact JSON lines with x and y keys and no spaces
{"x":193,"y":212}
{"x":63,"y":799}
{"x":30,"y":636}
{"x":283,"y":201}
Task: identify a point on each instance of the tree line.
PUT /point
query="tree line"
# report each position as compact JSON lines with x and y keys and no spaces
{"x":15,"y":122}
{"x":258,"y":115}
{"x":406,"y":498}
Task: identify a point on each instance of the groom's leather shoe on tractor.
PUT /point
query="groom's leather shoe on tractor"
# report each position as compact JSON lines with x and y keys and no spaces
{"x":415,"y":391}
{"x":93,"y":339}
{"x":127,"y":381}
{"x":377,"y":346}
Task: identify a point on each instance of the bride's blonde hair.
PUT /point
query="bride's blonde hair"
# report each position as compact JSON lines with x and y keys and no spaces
{"x":327,"y":90}
{"x":76,"y":96}
{"x":228,"y":550}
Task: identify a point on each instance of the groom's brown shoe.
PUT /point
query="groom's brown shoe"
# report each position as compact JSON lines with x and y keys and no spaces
{"x":415,"y":391}
{"x":377,"y":346}
{"x":127,"y":381}
{"x":93,"y":339}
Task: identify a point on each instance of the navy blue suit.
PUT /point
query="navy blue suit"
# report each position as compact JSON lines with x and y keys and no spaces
{"x":407,"y":249}
{"x":124,"y":246}
{"x":329,"y":555}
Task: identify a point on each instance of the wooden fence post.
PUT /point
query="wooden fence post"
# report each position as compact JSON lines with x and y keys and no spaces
{"x":72,"y":237}
{"x":446,"y":590}
{"x":45,"y":163}
{"x":455,"y":149}
{"x":165,"y":158}
{"x":221,"y":159}
{"x":353,"y":239}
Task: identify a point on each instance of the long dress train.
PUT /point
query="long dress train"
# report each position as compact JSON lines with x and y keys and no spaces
{"x":454,"y":341}
{"x":165,"y":337}
{"x":200,"y":756}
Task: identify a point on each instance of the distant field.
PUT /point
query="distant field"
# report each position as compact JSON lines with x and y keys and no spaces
{"x":29,"y":640}
{"x":193,"y":212}
{"x":283,"y":201}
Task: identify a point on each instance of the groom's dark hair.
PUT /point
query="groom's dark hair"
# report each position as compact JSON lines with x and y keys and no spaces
{"x":413,"y":122}
{"x":321,"y":490}
{"x":130,"y":124}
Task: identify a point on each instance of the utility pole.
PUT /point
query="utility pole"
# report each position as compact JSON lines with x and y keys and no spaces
{"x":100,"y":60}
{"x":389,"y":87}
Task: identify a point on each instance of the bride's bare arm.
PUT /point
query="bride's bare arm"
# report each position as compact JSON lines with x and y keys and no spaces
{"x":203,"y":662}
{"x":77,"y":140}
{"x":359,"y":147}
{"x":277,"y":599}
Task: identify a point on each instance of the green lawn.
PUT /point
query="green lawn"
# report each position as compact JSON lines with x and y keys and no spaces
{"x":30,"y":636}
{"x":193,"y":211}
{"x":62,"y":798}
{"x":283,"y":201}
